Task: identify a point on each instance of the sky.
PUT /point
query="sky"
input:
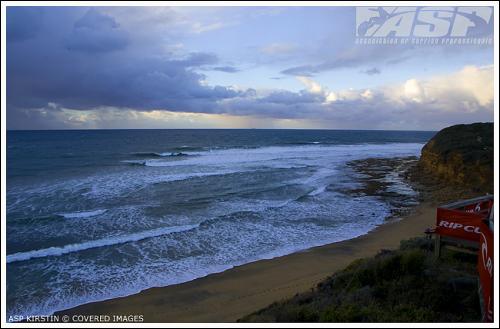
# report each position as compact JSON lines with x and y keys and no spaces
{"x":236,"y":67}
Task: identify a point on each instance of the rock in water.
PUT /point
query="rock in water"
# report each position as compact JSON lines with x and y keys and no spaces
{"x":463,"y":155}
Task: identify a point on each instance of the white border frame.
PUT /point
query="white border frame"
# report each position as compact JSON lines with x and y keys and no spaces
{"x":234,"y":4}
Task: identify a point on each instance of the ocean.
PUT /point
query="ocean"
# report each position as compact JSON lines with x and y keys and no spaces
{"x":97,"y":214}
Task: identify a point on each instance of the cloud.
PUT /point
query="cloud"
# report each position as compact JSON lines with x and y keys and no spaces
{"x":144,"y":83}
{"x":371,"y":71}
{"x":227,"y":69}
{"x":468,"y":90}
{"x":114,"y":69}
{"x":327,"y":96}
{"x":151,"y":21}
{"x":96,"y":32}
{"x":197,"y":59}
{"x":474,"y":82}
{"x":426,"y":104}
{"x":413,"y":91}
{"x":289,"y":98}
{"x":312,"y":86}
{"x":413,"y":104}
{"x":17,"y":30}
{"x":140,"y":77}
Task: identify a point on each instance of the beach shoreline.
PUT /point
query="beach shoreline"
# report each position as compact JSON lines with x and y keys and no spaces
{"x":236,"y":292}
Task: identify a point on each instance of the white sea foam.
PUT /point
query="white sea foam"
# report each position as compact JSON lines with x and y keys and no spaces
{"x":150,"y":269}
{"x":218,"y":161}
{"x":83,"y":214}
{"x":285,"y":154}
{"x":239,"y":226}
{"x":58,"y":251}
{"x":317,"y":191}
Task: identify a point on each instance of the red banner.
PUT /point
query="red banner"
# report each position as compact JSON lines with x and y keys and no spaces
{"x":482,"y":207}
{"x":458,"y":224}
{"x":485,"y":268}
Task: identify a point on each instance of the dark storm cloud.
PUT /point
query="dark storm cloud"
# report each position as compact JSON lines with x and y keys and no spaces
{"x":197,"y":59}
{"x":23,"y":23}
{"x":96,"y":64}
{"x":96,"y":32}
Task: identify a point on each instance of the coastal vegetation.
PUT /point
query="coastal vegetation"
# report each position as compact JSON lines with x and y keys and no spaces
{"x":404,"y":285}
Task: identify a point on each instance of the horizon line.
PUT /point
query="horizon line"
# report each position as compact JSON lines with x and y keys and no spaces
{"x":318,"y":129}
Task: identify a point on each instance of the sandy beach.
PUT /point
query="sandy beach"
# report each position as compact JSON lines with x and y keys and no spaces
{"x":230,"y":295}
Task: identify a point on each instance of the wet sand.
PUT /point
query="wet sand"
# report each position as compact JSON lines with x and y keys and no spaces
{"x":230,"y":295}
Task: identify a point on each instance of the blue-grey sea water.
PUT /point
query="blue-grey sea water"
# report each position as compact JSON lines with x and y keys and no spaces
{"x":98,"y":214}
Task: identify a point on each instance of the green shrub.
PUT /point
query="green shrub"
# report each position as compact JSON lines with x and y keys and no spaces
{"x":406,"y":285}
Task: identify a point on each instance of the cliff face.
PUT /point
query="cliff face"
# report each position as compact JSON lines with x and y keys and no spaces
{"x":462,"y":155}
